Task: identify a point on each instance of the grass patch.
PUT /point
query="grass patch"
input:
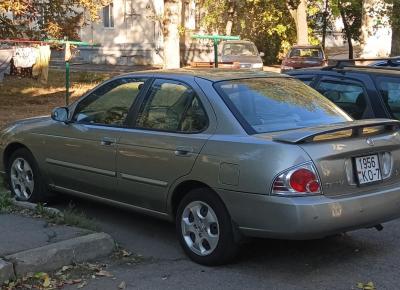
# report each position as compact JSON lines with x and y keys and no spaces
{"x":70,"y":217}
{"x":26,"y":97}
{"x":6,"y":204}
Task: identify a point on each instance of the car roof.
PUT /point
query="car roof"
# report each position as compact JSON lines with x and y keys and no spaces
{"x":212,"y":75}
{"x":349,"y":69}
{"x":307,"y":46}
{"x":237,"y":41}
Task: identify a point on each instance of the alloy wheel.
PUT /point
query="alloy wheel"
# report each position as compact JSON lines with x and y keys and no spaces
{"x":22,"y":178}
{"x":200,"y":228}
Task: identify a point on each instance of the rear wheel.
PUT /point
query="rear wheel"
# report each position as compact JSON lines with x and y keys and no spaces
{"x":204,"y":228}
{"x":24,"y":177}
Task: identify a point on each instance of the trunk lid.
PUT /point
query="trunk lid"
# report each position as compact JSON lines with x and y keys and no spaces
{"x":336,"y":148}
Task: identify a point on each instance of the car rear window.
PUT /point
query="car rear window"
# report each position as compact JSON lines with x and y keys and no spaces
{"x":276,"y":104}
{"x":239,"y":49}
{"x":306,"y":52}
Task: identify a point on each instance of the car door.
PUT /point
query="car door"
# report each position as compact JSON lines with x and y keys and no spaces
{"x":170,"y":129}
{"x":350,"y":95}
{"x":81,"y":154}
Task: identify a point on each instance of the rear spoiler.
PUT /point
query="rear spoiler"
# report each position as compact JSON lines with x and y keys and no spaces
{"x":308,"y":134}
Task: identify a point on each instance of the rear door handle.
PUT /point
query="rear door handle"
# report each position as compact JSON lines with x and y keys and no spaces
{"x":106,"y":141}
{"x":183,"y":151}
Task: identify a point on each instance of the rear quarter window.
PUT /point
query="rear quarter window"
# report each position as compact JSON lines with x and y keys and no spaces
{"x":389,"y":88}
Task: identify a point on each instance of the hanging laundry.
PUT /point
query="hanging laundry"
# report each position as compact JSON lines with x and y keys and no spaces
{"x":24,"y":57}
{"x":41,"y":67}
{"x":6,"y":55}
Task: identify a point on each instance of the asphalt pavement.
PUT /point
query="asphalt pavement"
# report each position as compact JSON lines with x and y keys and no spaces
{"x":339,"y":262}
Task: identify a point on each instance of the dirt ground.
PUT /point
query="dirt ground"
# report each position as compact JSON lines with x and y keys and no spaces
{"x":26,"y":97}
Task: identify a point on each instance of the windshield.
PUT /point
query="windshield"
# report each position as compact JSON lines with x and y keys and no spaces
{"x":247,"y":49}
{"x":277,"y":104}
{"x":306,"y":52}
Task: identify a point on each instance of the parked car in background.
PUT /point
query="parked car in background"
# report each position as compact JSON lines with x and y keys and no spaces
{"x":392,"y":63}
{"x":242,"y":52}
{"x":222,"y":153}
{"x":362,"y":92}
{"x":302,"y":56}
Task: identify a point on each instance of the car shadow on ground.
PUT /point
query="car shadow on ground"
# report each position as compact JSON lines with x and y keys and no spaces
{"x":156,"y":238}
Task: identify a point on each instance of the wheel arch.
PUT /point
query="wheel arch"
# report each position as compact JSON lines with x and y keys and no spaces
{"x":184,"y":188}
{"x":9,"y":150}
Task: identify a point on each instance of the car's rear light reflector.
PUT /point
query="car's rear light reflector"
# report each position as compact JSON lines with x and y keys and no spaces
{"x":297,"y":181}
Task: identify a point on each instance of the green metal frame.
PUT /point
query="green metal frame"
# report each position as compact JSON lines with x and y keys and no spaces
{"x":216,"y":39}
{"x":67,"y":64}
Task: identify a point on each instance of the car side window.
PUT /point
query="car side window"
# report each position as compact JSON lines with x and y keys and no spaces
{"x":390,"y":92}
{"x":305,"y":79}
{"x":172,"y":106}
{"x":109,"y":104}
{"x":350,"y":97}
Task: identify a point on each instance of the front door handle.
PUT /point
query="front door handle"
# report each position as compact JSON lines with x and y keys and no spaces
{"x":106,"y":141}
{"x":183,"y":151}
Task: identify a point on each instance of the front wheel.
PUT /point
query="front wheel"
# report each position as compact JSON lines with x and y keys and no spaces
{"x":204,"y":228}
{"x":24,"y":177}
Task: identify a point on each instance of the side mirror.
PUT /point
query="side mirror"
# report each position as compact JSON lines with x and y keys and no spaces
{"x":60,"y":114}
{"x":262,"y":54}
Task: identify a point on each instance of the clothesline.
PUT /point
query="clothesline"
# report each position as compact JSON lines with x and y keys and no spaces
{"x":46,"y":41}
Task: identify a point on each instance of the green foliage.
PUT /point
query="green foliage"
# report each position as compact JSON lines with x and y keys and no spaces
{"x":6,"y":204}
{"x":268,"y":23}
{"x":38,"y":19}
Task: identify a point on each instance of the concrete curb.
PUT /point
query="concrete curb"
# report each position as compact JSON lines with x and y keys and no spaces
{"x":54,"y":256}
{"x":6,"y":271}
{"x":32,"y":206}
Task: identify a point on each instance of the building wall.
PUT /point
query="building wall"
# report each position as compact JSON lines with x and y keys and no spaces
{"x":136,"y":37}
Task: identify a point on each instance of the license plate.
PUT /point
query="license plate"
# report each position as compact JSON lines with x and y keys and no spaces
{"x":368,"y":169}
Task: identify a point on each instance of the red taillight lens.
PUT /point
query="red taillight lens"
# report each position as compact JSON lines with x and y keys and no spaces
{"x":304,"y":180}
{"x":298,"y":181}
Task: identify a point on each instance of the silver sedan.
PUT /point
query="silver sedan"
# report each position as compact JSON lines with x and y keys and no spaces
{"x":223,"y":154}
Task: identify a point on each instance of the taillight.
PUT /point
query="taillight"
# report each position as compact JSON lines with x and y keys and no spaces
{"x":297,"y":181}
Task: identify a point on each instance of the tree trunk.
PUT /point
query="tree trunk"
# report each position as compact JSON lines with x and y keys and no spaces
{"x":172,"y":20}
{"x":231,"y":14}
{"x":395,"y":51}
{"x":299,"y":15}
{"x":346,"y":29}
{"x":325,"y":23}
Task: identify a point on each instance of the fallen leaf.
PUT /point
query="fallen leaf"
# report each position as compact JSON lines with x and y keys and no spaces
{"x":122,"y":285}
{"x":40,"y":275}
{"x":76,"y":281}
{"x":103,"y":273}
{"x":46,"y":282}
{"x":65,"y":268}
{"x":366,"y":286}
{"x":125,"y":253}
{"x":83,"y":284}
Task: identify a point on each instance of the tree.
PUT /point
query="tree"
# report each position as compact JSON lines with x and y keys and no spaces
{"x":268,"y":23}
{"x":171,"y":23}
{"x":395,"y":21}
{"x":298,"y":10}
{"x":55,"y":18}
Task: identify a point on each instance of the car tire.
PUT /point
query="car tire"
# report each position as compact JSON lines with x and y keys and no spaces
{"x":24,"y":178}
{"x":205,"y":228}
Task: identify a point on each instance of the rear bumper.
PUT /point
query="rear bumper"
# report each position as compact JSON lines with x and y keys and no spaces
{"x":309,"y":217}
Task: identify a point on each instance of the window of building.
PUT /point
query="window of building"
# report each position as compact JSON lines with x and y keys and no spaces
{"x":108,"y":16}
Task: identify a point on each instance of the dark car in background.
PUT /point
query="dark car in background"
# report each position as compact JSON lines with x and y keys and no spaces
{"x":393,"y":63}
{"x":242,"y":52}
{"x":362,"y":91}
{"x":302,"y":56}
